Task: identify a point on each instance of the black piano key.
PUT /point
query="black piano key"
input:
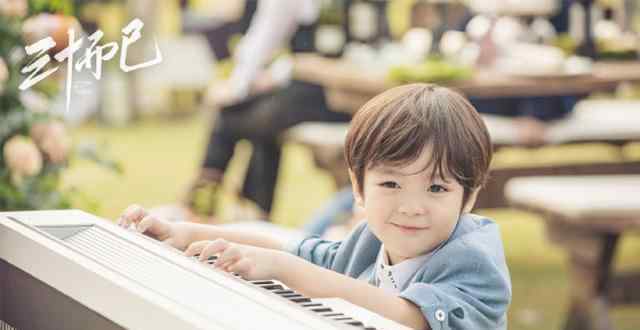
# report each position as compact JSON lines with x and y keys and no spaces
{"x":355,"y":323}
{"x":269,"y":285}
{"x":291,"y":295}
{"x":282,"y":292}
{"x":311,"y":305}
{"x":305,"y":302}
{"x":214,"y":257}
{"x":211,"y":260}
{"x":272,"y":287}
{"x":322,"y":310}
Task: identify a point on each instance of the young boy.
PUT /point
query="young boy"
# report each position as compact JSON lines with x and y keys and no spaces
{"x":417,"y":156}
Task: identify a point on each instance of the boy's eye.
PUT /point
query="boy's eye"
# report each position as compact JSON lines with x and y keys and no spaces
{"x":390,"y":184}
{"x":436,"y":188}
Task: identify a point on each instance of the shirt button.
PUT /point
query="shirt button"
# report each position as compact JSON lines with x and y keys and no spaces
{"x":440,"y":315}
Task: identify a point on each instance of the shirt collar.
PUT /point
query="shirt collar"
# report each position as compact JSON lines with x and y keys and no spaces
{"x":396,"y":277}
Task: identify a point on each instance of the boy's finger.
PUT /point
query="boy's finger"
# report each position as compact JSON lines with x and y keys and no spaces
{"x":168,"y":241}
{"x":133,"y":213}
{"x":195,"y":248}
{"x":149,"y":224}
{"x":145,"y":224}
{"x":228,"y":256}
{"x":213,"y":248}
{"x":242,"y":267}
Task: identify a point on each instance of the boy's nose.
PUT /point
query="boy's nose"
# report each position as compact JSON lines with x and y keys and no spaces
{"x":412,"y":208}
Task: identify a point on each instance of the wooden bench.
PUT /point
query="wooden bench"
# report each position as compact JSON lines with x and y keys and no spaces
{"x":611,"y":121}
{"x":586,"y":216}
{"x":615,"y":122}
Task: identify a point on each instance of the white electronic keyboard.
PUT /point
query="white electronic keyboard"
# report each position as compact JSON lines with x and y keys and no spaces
{"x":72,"y":270}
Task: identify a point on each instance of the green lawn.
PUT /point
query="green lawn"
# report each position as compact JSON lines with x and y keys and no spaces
{"x":160,"y":156}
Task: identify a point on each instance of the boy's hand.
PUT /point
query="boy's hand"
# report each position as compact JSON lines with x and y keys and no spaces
{"x":161,"y":230}
{"x":250,"y":262}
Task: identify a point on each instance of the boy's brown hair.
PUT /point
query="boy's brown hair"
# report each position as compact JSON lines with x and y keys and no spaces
{"x":395,"y":126}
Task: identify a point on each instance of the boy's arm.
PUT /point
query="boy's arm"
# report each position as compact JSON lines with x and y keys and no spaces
{"x":182,"y":234}
{"x":255,"y":263}
{"x":304,"y":277}
{"x":202,"y":232}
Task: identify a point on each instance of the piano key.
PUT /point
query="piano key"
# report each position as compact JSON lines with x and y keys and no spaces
{"x":322,"y":310}
{"x":291,"y":295}
{"x":214,"y":257}
{"x":273,"y":287}
{"x":313,"y":304}
{"x":281,"y":292}
{"x":355,"y":323}
{"x":268,"y":284}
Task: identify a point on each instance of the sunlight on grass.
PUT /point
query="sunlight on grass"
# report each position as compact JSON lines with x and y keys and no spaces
{"x":158,"y":157}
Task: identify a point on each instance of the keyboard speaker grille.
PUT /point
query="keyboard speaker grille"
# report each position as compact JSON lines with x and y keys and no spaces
{"x":184,"y":287}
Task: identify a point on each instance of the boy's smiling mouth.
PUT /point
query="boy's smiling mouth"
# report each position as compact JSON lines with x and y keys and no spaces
{"x":409,"y":228}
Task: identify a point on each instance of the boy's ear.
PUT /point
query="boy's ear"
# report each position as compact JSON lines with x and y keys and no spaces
{"x":471,"y":201}
{"x":356,"y":189}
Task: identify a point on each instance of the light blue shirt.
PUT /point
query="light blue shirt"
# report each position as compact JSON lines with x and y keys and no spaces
{"x":464,"y":284}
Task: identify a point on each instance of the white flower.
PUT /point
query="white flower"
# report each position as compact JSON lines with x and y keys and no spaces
{"x":13,"y":8}
{"x":38,"y":131}
{"x":22,"y":157}
{"x":53,"y":140}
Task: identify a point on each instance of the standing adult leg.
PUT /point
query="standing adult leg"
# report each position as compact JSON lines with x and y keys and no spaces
{"x":218,"y":153}
{"x":299,"y":102}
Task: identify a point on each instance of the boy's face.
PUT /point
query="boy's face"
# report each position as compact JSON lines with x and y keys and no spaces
{"x":410,"y":213}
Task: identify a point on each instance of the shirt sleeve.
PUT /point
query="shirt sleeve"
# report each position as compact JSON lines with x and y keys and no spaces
{"x":472,"y":293}
{"x":315,"y":250}
{"x":272,"y":26}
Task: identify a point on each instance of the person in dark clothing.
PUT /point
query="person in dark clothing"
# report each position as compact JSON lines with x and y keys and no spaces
{"x":251,"y":109}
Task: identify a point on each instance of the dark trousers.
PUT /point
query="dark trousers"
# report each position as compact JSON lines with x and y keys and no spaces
{"x":261,"y":120}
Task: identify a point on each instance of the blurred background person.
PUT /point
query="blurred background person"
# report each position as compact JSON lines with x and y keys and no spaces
{"x":258,"y":104}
